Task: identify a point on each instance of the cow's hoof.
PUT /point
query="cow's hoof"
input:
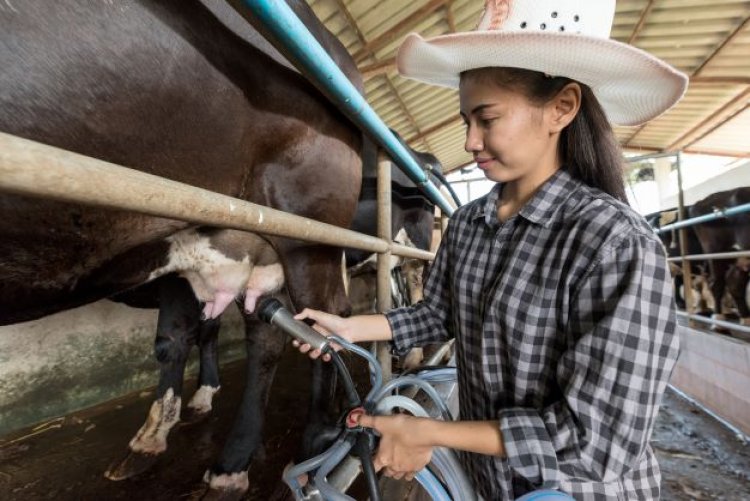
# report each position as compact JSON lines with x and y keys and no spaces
{"x":212,"y":494}
{"x":191,"y":415}
{"x":134,"y":463}
{"x":225,"y":486}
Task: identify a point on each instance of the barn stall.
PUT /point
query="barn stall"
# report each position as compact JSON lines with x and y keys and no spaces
{"x":718,"y":90}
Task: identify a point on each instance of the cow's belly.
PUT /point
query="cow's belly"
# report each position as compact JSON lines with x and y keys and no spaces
{"x":223,"y":266}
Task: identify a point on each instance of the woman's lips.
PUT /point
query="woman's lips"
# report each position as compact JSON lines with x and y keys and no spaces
{"x":483,"y":163}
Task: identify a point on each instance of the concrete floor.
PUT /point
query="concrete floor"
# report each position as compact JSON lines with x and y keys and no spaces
{"x":65,"y":458}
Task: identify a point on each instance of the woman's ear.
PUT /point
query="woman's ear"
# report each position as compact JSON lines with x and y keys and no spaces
{"x":564,"y":107}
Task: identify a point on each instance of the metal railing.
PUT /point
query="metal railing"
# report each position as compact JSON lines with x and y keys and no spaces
{"x":303,"y":50}
{"x":722,"y":213}
{"x":685,"y":259}
{"x":37,"y":170}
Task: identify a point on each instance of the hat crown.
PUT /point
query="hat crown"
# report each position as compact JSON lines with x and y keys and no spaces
{"x":585,"y":17}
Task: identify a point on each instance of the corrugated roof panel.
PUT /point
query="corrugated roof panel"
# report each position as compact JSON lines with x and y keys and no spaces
{"x":698,"y":104}
{"x":686,"y":33}
{"x":731,"y":137}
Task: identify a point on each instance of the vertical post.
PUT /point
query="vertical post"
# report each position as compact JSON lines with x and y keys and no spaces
{"x":686,"y":270}
{"x":384,"y":259}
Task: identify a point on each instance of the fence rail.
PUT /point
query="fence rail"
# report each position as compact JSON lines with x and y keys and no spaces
{"x":37,"y":170}
{"x":723,"y":213}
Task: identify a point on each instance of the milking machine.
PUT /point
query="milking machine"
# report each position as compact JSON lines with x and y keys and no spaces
{"x":443,"y":479}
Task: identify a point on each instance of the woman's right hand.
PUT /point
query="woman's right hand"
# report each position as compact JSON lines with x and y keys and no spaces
{"x":326,"y":324}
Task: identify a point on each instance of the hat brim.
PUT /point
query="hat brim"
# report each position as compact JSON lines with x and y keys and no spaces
{"x":632,"y":86}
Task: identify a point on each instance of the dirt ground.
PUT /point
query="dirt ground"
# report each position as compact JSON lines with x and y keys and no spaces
{"x":65,"y":458}
{"x":699,"y":458}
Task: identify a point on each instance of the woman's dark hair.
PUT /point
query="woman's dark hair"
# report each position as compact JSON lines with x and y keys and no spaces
{"x":588,"y":147}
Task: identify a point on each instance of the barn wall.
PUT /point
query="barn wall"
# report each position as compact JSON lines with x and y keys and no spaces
{"x":739,"y":176}
{"x":83,"y":357}
{"x":715,"y":370}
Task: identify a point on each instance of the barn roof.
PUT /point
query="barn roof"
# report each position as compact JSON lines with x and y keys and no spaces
{"x":710,"y":41}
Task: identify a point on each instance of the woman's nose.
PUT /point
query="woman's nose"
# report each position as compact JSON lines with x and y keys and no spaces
{"x":473,"y":140}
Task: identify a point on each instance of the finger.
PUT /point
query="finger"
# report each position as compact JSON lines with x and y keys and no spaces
{"x":326,"y":357}
{"x":322,"y":330}
{"x":315,"y":353}
{"x":306,"y":313}
{"x":366,"y":421}
{"x":305,"y":348}
{"x":295,"y":343}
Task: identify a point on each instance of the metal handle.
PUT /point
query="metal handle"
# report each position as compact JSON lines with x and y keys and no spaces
{"x":271,"y":310}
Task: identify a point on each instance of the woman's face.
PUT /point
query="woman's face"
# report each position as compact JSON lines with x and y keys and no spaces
{"x":508,"y":135}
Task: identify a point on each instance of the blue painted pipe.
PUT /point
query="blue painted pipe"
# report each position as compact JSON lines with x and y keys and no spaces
{"x":313,"y":61}
{"x":719,"y":214}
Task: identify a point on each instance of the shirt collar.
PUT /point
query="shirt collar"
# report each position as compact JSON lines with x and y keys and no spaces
{"x":542,"y":206}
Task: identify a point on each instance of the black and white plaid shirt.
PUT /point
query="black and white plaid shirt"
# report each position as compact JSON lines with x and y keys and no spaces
{"x":565,"y":333}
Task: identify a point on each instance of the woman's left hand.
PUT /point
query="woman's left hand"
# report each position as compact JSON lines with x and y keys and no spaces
{"x":405,"y":447}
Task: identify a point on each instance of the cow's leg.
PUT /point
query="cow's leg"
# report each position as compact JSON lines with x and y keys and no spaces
{"x":176,"y":333}
{"x":718,"y":269}
{"x":679,"y":283}
{"x":208,"y":378}
{"x":314,"y":281}
{"x":227,"y":479}
{"x":737,"y":281}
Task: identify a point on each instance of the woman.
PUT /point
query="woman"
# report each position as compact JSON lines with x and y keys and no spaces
{"x":557,"y":293}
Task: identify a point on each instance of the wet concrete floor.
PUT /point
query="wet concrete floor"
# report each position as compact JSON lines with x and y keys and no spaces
{"x":66,"y":457}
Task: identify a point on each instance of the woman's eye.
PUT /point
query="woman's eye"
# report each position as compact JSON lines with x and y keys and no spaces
{"x":486,"y":122}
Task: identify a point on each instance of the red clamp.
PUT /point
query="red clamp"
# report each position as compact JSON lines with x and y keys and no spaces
{"x":352,"y":419}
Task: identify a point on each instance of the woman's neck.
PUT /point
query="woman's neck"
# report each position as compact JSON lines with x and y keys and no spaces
{"x":517,"y":193}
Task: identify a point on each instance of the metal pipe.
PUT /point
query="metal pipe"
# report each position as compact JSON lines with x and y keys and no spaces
{"x":718,"y":214}
{"x":384,"y":259}
{"x":33,"y":169}
{"x":713,"y":321}
{"x":440,"y":354}
{"x":411,"y":252}
{"x":717,"y":255}
{"x":649,"y":156}
{"x":312,"y":60}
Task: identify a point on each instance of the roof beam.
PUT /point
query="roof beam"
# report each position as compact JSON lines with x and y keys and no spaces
{"x":721,"y":80}
{"x":715,"y":120}
{"x":450,"y":17}
{"x":353,"y":23}
{"x":635,"y":133}
{"x":399,"y":29}
{"x":435,"y":128}
{"x":723,"y":44}
{"x":719,"y":153}
{"x":422,"y":137}
{"x":641,"y":21}
{"x":382,"y":67}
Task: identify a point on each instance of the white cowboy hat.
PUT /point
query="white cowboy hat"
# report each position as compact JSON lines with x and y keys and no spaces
{"x":567,"y":38}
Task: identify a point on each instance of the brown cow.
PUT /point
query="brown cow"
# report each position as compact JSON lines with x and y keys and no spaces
{"x":726,"y":235}
{"x":167,"y":88}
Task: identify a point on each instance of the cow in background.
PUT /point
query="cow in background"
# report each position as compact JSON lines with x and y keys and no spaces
{"x":726,"y":235}
{"x":703,"y":301}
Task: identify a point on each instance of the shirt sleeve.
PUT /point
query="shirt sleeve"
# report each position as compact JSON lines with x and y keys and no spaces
{"x":427,"y":321}
{"x":621,"y":347}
